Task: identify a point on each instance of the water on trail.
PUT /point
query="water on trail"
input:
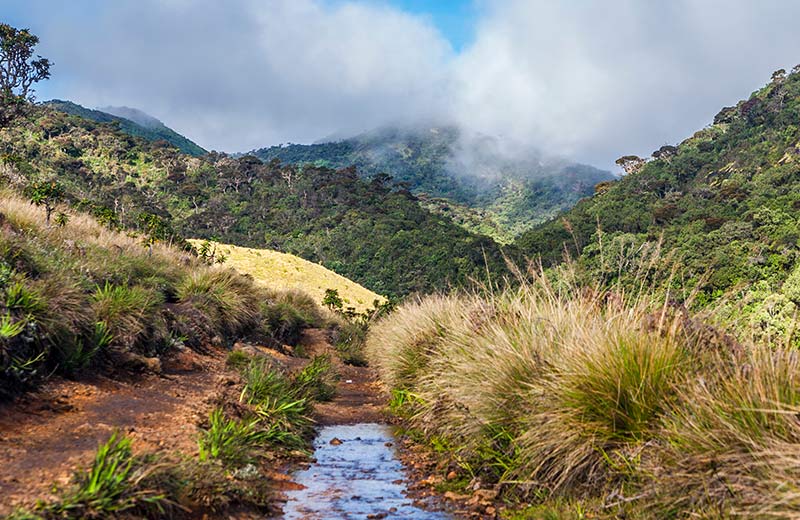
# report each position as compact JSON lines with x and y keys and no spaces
{"x":358,"y":478}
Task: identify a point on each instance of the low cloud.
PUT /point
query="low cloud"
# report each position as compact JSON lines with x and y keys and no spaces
{"x":589,"y":80}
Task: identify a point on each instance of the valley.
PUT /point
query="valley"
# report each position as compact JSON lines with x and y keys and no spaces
{"x":422,"y":320}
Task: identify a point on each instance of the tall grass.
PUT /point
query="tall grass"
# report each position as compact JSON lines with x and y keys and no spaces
{"x":73,"y":296}
{"x":557,"y":391}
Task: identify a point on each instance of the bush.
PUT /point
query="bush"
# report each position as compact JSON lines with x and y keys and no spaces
{"x":558,"y":388}
{"x":127,"y":312}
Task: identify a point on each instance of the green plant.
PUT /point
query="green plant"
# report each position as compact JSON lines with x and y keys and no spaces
{"x":230,"y":440}
{"x":228,"y":299}
{"x":237,"y":359}
{"x":125,"y":312}
{"x":332,"y":300}
{"x":114,"y":484}
{"x":316,"y":380}
{"x":47,"y":194}
{"x":10,"y":328}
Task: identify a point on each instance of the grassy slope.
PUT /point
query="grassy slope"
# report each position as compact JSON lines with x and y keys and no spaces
{"x":282,"y":271}
{"x":81,"y":298}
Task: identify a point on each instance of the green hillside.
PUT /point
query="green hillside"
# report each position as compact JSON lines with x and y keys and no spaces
{"x":133,"y":122}
{"x":724,"y":202}
{"x":510,"y":195}
{"x":372,"y":232}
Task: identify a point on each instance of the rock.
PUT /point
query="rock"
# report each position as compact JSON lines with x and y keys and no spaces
{"x":455,"y":496}
{"x":336,"y":442}
{"x":248,"y":472}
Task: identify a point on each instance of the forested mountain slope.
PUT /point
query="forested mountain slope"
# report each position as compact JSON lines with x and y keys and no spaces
{"x":133,"y":122}
{"x":726,"y":202}
{"x":482,"y":187}
{"x":373,"y":232}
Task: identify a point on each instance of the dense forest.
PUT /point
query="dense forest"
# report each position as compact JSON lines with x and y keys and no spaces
{"x":474,"y":182}
{"x":723,"y":204}
{"x":372,"y":231}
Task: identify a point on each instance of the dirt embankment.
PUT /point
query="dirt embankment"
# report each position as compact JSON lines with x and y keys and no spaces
{"x":47,"y":434}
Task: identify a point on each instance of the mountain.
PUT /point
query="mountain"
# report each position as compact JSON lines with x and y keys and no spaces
{"x":133,"y":122}
{"x":371,"y":231}
{"x":723,"y":206}
{"x":496,"y":191}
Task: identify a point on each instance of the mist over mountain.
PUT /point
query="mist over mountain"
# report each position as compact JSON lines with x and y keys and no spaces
{"x":133,"y":122}
{"x":488,"y":184}
{"x":135,"y":115}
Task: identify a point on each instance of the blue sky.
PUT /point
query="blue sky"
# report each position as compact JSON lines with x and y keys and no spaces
{"x":454,"y":18}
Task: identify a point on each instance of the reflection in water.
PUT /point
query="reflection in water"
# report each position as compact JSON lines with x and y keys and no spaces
{"x":359,"y":477}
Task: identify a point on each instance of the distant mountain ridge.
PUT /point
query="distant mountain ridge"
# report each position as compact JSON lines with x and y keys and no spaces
{"x":133,"y":122}
{"x":493,"y":192}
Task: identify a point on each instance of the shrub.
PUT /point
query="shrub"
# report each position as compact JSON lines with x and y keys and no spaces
{"x":283,"y":322}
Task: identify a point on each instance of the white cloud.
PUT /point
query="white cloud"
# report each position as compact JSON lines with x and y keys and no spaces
{"x":596,"y":80}
{"x":247,"y":73}
{"x":589,"y":79}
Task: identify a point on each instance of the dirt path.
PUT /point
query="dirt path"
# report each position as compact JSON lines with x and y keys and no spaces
{"x":46,"y":435}
{"x":359,"y":397}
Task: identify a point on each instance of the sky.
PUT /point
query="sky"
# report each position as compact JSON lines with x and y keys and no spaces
{"x":588,"y":80}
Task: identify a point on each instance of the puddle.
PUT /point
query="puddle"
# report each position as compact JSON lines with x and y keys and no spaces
{"x":359,"y":477}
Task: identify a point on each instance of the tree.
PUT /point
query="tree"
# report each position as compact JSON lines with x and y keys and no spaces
{"x":47,"y":194}
{"x":18,"y":71}
{"x":631,"y":163}
{"x":332,"y":300}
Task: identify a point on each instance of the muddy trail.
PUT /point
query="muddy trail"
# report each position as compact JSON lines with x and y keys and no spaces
{"x":358,"y":470}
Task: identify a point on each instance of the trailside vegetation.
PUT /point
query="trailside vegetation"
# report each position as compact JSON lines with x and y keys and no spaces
{"x":575,"y":401}
{"x":722,"y":206}
{"x":80,"y":297}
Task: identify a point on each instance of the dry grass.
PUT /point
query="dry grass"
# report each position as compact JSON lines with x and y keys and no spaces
{"x":281,"y":271}
{"x":590,"y":395}
{"x":75,"y":296}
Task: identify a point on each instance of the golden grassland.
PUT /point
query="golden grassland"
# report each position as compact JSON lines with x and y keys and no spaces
{"x":282,"y":271}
